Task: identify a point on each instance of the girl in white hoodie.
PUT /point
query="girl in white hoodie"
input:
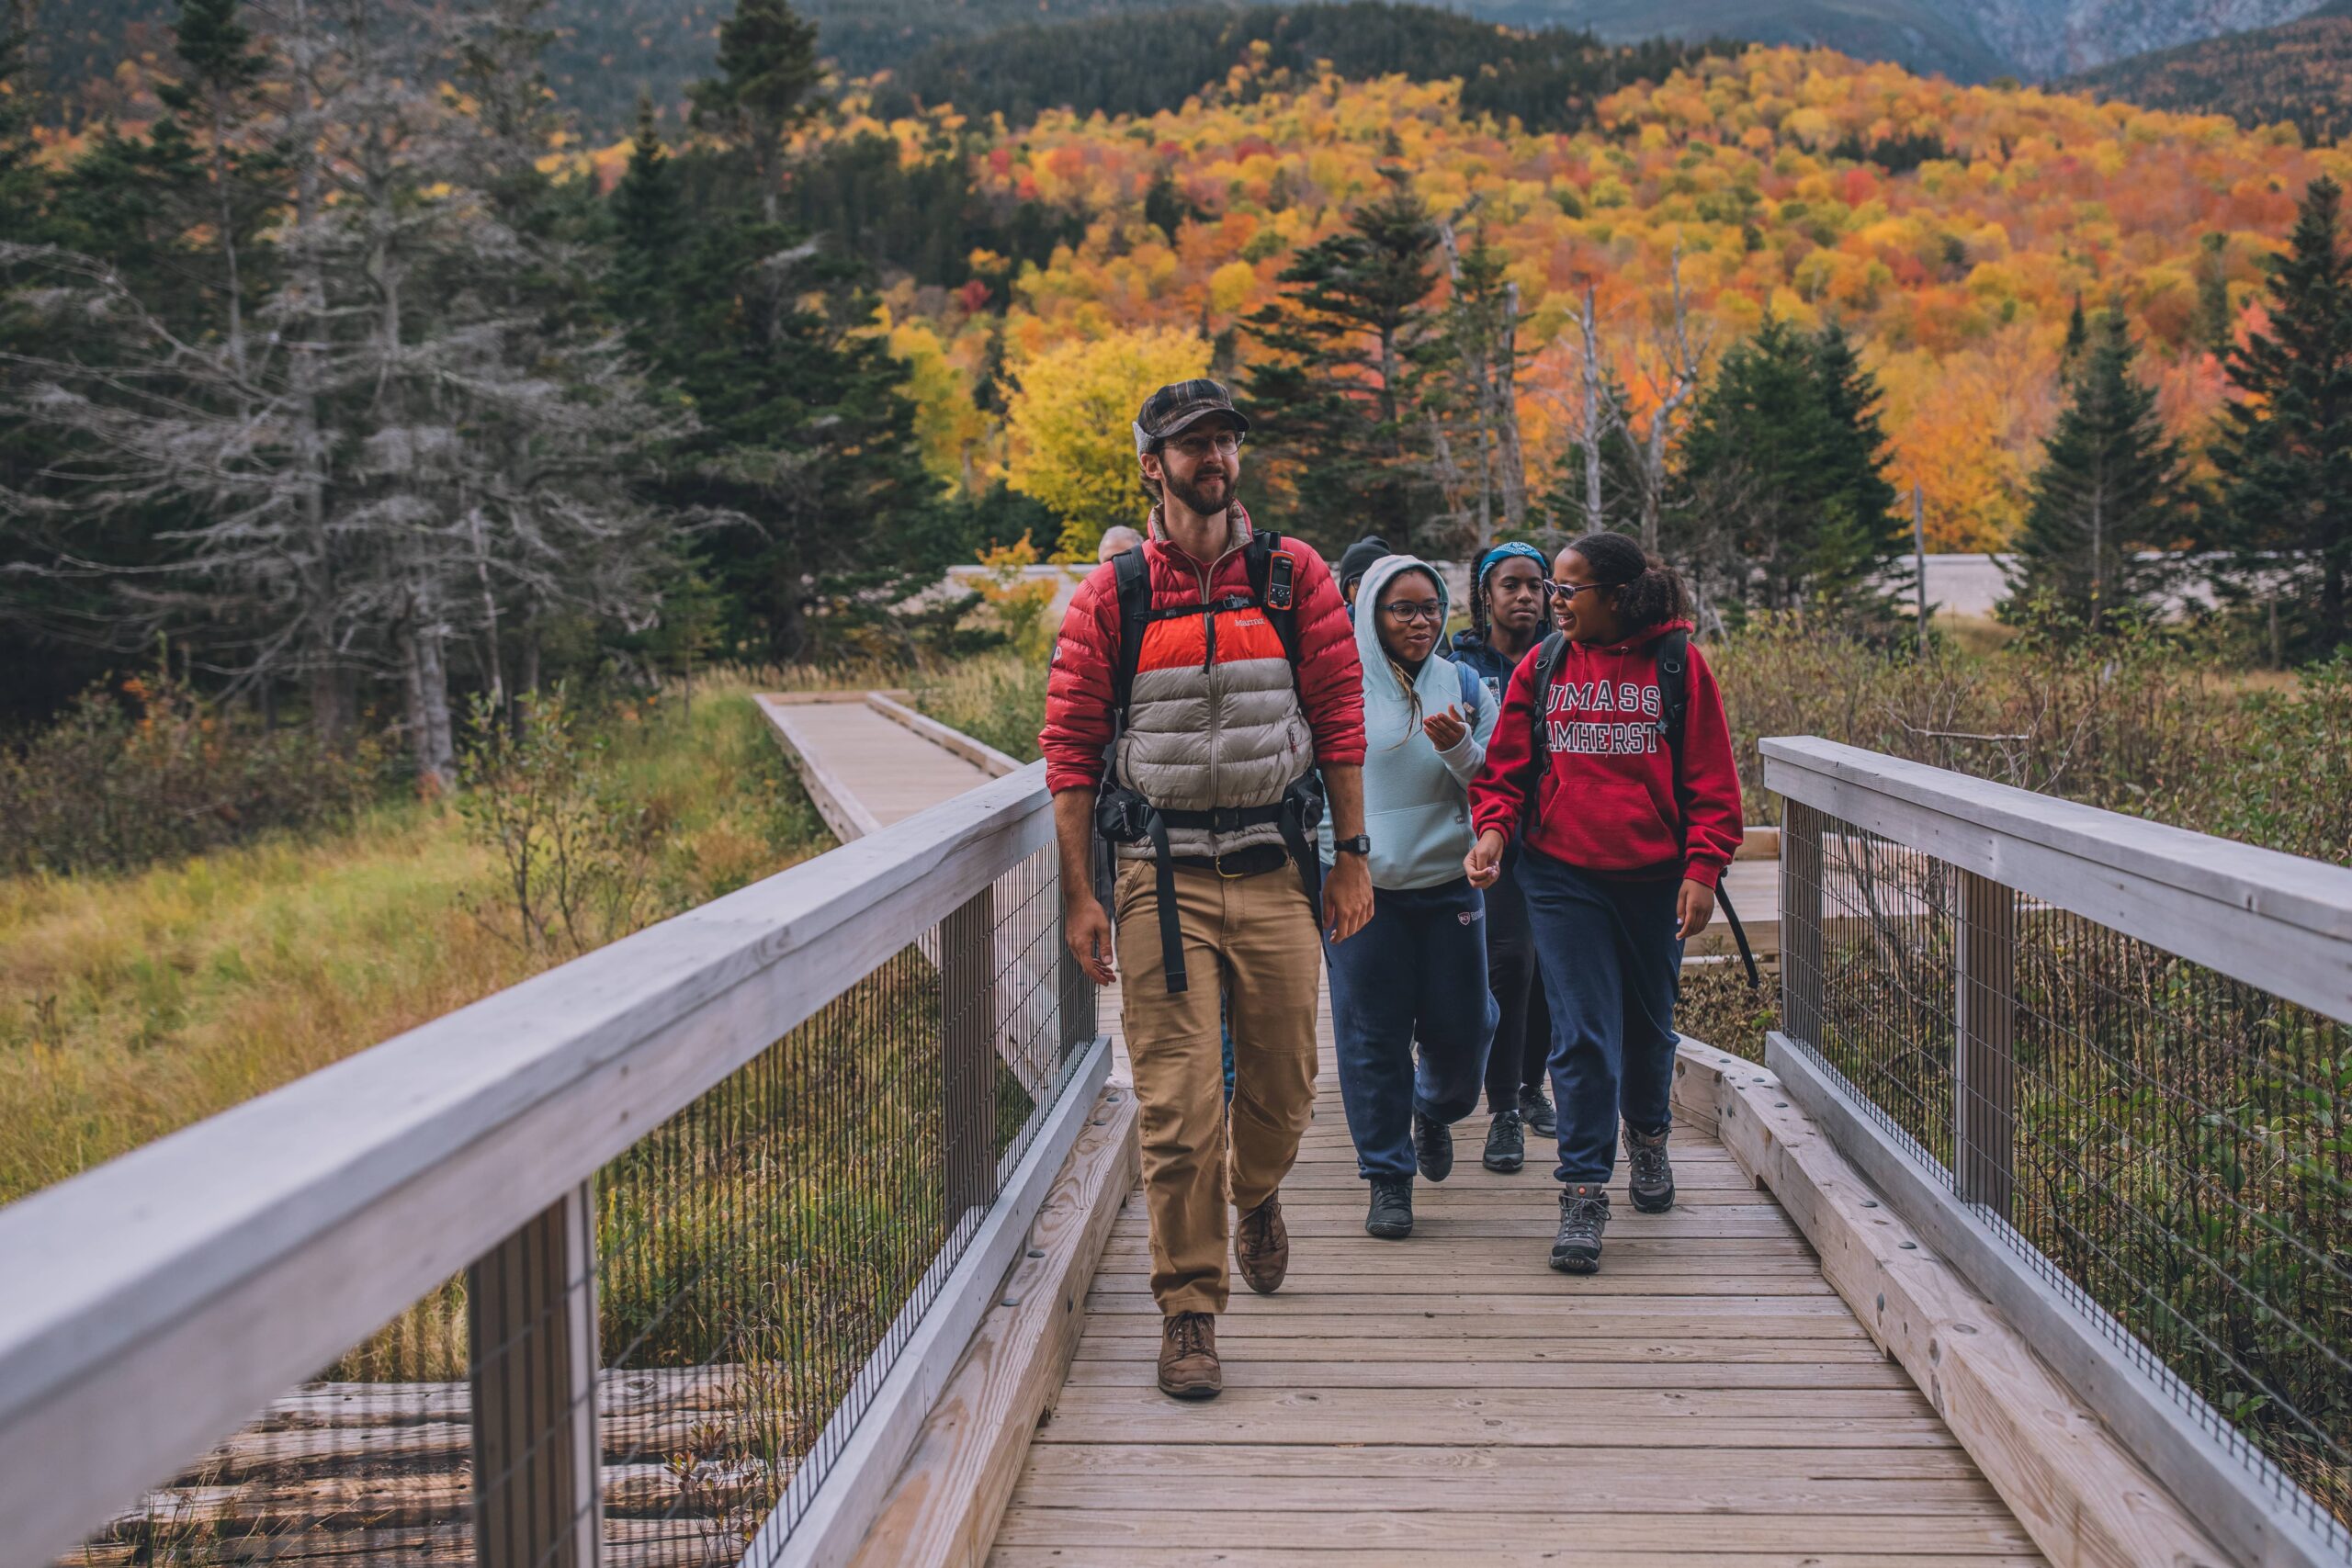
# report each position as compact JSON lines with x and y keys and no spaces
{"x":1418,"y":973}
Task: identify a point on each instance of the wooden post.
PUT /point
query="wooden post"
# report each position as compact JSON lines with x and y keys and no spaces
{"x":531,"y":1309}
{"x":967,"y":1054}
{"x":1800,"y":912}
{"x":1983,"y":1086}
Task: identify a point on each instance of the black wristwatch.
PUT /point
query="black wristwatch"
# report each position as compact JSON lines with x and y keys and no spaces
{"x":1359,"y":845}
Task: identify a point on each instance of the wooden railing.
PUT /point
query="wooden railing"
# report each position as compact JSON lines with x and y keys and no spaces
{"x":2100,"y":1064}
{"x":155,"y":1312}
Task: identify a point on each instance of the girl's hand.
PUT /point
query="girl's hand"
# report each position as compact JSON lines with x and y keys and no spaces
{"x":1444,"y":729}
{"x":1485,"y":860}
{"x":1694,"y":905}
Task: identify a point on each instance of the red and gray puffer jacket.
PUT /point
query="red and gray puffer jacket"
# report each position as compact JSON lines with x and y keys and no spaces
{"x":1216,"y":719}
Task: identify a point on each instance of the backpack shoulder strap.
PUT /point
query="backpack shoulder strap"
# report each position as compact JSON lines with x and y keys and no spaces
{"x":1673,"y":689}
{"x":1471,"y":683}
{"x":1548,"y":655}
{"x":1133,"y":576}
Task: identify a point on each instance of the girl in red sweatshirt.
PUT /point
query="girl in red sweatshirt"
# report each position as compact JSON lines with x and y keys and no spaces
{"x":1630,"y":813}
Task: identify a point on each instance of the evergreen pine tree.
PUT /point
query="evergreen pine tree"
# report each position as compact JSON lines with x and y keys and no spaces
{"x":2215,"y":320}
{"x":1858,"y":534}
{"x":1338,"y":407}
{"x":767,"y":67}
{"x":1786,"y":501}
{"x":648,"y":215}
{"x":2109,"y":489}
{"x":2078,"y":337}
{"x":2285,"y":454}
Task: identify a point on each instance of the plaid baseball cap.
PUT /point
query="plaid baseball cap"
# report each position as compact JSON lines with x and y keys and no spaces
{"x":1174,"y":409}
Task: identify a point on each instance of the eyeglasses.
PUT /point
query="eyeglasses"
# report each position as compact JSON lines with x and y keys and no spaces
{"x":1225,"y":444}
{"x":1411,"y":610}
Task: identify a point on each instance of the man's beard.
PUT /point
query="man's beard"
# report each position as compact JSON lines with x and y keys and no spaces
{"x":1198,"y":503}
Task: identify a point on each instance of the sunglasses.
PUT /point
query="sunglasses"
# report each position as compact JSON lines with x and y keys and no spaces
{"x":1570,"y":589}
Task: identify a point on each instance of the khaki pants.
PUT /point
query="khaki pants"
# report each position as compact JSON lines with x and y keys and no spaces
{"x":1254,"y":937}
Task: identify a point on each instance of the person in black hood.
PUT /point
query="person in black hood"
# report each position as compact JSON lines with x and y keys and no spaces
{"x":1508,"y":616}
{"x":1355,"y":561}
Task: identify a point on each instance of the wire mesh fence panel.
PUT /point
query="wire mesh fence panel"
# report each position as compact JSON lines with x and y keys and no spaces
{"x":2163,"y":1145}
{"x":673,"y":1354}
{"x":1868,"y":942}
{"x":2182,"y":1159}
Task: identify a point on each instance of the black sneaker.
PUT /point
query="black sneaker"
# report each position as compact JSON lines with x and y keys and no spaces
{"x":1432,"y":1147}
{"x":1536,"y":1110}
{"x":1652,"y":1178}
{"x":1584,"y":1214}
{"x":1391,"y":1215}
{"x":1506,"y":1146}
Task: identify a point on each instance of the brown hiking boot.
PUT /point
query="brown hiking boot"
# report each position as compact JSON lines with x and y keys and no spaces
{"x":1262,"y":1246}
{"x":1188,"y":1365}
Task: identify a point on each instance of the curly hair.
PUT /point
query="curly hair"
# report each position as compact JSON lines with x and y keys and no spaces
{"x":1644,"y":590}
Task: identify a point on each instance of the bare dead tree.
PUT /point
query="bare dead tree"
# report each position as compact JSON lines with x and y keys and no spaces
{"x":1677,"y":363}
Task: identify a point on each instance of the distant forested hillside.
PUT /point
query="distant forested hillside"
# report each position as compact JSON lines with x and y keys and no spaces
{"x":1548,"y":78}
{"x":599,"y":55}
{"x":2298,"y":74}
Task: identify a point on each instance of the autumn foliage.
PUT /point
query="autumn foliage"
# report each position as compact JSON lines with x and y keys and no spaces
{"x":1952,"y":249}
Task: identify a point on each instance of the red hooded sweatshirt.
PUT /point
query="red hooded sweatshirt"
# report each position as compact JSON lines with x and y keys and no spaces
{"x":1610,"y":802}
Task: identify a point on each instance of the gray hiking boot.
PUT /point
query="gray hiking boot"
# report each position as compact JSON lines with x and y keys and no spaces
{"x":1652,"y":1178}
{"x":1584,"y":1214}
{"x":1536,"y":1110}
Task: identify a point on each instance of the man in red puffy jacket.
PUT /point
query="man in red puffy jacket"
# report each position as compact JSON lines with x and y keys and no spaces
{"x":1220,"y":728}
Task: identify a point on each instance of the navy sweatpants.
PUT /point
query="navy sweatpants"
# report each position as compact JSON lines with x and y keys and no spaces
{"x":1417,"y":972}
{"x":1610,"y":960}
{"x":1522,"y":1051}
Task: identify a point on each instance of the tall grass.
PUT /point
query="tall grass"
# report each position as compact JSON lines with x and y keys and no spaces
{"x":133,"y":1004}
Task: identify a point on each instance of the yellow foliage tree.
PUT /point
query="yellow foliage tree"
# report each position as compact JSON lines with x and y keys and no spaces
{"x":1068,"y":418}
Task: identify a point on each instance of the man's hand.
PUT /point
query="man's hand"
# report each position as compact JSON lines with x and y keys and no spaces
{"x":1445,"y":729}
{"x":1694,"y":905}
{"x":1087,"y":931}
{"x":1485,"y":860}
{"x":1347,"y":898}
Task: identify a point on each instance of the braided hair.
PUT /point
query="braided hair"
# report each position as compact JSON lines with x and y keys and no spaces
{"x":1643,"y":590}
{"x":1482,"y":624}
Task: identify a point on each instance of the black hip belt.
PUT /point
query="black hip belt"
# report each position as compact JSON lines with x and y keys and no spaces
{"x":1124,"y":816}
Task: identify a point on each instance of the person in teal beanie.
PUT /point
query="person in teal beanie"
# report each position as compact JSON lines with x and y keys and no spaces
{"x":1417,"y":974}
{"x":1510,"y":613}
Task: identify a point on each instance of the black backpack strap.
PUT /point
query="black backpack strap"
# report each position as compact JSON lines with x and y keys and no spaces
{"x":1674,"y":690}
{"x":1132,"y":574}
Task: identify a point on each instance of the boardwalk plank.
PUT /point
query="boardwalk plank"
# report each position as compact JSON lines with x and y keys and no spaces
{"x":1705,"y":1399}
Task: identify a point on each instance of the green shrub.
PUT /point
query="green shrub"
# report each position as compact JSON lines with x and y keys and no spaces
{"x":147,"y":770}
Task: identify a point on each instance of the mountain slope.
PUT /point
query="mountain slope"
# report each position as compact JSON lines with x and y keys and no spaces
{"x":1967,"y":39}
{"x":2298,"y":73}
{"x":603,"y":51}
{"x":1921,"y":35}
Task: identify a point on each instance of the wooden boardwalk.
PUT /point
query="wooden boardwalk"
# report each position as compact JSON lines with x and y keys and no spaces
{"x":1705,"y":1398}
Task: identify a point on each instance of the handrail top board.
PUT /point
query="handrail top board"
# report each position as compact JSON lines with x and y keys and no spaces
{"x":91,"y":1265}
{"x":2308,"y":893}
{"x":2276,"y":922}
